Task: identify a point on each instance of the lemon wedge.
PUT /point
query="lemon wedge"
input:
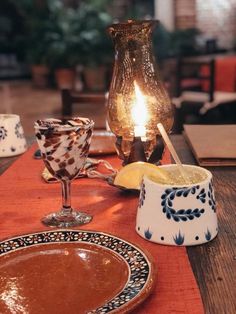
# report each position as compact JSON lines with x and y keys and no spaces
{"x":130,"y":176}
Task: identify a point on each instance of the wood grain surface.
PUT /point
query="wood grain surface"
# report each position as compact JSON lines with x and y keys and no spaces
{"x":214,"y":263}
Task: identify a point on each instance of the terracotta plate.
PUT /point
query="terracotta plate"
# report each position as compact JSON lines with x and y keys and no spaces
{"x":68,"y":271}
{"x":102,"y":143}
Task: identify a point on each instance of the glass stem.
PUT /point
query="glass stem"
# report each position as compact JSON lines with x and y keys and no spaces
{"x":66,"y":197}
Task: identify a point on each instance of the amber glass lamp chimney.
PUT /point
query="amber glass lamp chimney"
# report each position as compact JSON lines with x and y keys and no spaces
{"x":137,"y":98}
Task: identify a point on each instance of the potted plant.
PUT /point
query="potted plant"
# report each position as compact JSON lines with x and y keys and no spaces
{"x":97,"y":46}
{"x":62,"y":63}
{"x":183,"y":42}
{"x":64,"y":49}
{"x":37,"y":23}
{"x":37,"y":57}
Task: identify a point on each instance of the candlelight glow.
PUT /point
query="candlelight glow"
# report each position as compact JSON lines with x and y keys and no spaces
{"x":139,"y":112}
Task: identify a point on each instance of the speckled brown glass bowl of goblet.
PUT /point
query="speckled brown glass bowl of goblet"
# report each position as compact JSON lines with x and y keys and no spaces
{"x":64,"y":146}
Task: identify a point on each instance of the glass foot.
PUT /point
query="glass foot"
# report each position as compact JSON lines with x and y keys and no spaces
{"x":66,"y":220}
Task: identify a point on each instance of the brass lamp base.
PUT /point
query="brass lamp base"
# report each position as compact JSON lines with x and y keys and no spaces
{"x":137,"y":152}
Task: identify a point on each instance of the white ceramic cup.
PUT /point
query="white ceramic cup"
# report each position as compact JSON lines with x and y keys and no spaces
{"x":12,"y":139}
{"x":177,"y":214}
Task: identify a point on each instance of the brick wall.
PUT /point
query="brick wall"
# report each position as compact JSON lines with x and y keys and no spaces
{"x":217,"y":18}
{"x":185,"y":13}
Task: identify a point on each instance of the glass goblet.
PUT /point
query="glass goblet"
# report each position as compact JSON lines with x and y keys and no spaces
{"x":64,"y":146}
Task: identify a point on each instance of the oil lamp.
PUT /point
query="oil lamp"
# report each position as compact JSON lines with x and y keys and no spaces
{"x":137,"y":98}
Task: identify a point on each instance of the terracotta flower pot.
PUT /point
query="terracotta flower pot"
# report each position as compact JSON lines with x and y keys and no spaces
{"x":65,"y":78}
{"x":95,"y":78}
{"x":40,"y":75}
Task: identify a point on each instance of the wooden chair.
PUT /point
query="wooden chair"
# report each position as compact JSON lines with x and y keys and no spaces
{"x":189,"y":71}
{"x":89,"y":105}
{"x":196,"y":105}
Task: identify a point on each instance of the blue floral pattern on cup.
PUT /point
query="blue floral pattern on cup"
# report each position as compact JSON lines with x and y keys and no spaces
{"x":181,"y":214}
{"x":19,"y":131}
{"x":142,"y":195}
{"x":148,"y":234}
{"x":179,"y":238}
{"x":202,"y":196}
{"x":211,"y":196}
{"x":208,"y":235}
{"x":3,"y":133}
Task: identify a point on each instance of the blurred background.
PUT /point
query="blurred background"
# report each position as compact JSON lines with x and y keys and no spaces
{"x":47,"y":45}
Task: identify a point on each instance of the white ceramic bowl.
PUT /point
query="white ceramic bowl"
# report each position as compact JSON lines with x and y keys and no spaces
{"x":177,"y":214}
{"x":12,"y":139}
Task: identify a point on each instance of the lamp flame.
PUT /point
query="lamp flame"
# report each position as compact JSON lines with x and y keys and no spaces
{"x":139,"y":112}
